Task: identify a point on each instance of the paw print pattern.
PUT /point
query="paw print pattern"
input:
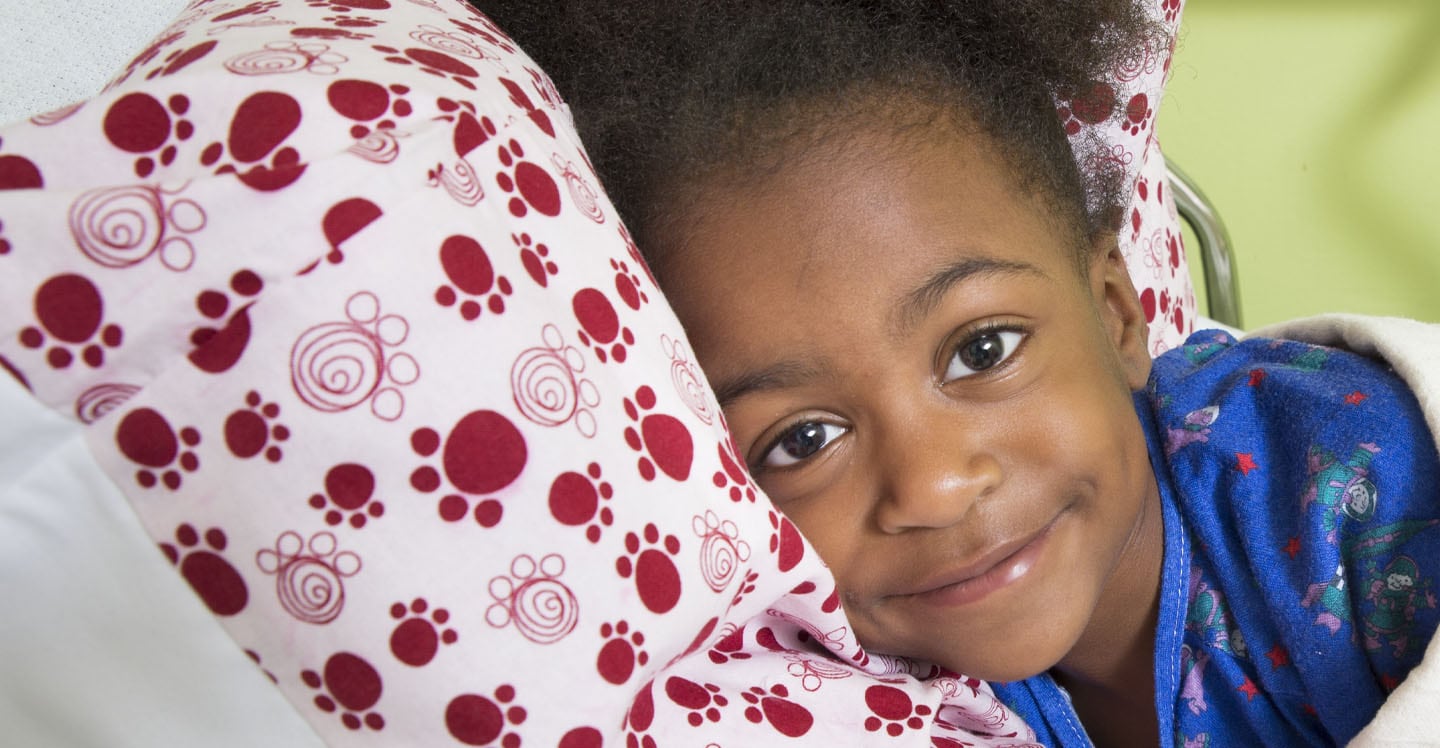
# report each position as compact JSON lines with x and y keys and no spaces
{"x":218,"y":584}
{"x":141,"y":124}
{"x":1137,"y":114}
{"x":4,"y":243}
{"x":217,"y":349}
{"x":483,"y":454}
{"x":371,"y":105}
{"x":123,"y":226}
{"x":703,"y":701}
{"x":627,"y":285}
{"x":535,"y":256}
{"x":662,"y":440}
{"x":786,"y":543}
{"x":746,"y":586}
{"x":600,"y":325}
{"x":529,"y":184}
{"x":309,"y":577}
{"x":732,"y":474}
{"x":276,"y":58}
{"x":479,"y":720}
{"x":775,"y":708}
{"x":584,"y":196}
{"x":575,"y":501}
{"x":146,"y":438}
{"x":432,"y":61}
{"x":722,"y":552}
{"x":657,"y":580}
{"x":892,"y":710}
{"x":249,"y":431}
{"x":729,"y":647}
{"x":350,"y":685}
{"x":1088,"y":108}
{"x":349,"y":490}
{"x":469,"y":271}
{"x":534,"y":600}
{"x":341,"y":365}
{"x":257,"y":154}
{"x":460,"y":178}
{"x":621,"y":653}
{"x":352,"y":22}
{"x":548,"y":385}
{"x":70,"y":310}
{"x":686,"y":377}
{"x":418,"y":636}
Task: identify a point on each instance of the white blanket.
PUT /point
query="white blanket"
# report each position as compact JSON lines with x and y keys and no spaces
{"x":1412,"y":714}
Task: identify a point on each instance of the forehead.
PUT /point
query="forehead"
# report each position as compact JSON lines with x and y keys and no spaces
{"x":857,"y":223}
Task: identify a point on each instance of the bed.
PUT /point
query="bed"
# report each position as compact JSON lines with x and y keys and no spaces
{"x":326,"y":251}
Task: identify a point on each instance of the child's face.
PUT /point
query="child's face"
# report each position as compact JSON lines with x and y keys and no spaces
{"x":925,"y":383}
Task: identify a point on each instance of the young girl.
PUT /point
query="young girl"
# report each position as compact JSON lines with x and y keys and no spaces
{"x":912,"y":310}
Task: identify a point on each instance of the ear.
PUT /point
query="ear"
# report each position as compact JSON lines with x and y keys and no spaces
{"x":1121,"y":313}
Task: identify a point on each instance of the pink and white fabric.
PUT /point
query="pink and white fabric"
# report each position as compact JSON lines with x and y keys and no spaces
{"x":352,"y":324}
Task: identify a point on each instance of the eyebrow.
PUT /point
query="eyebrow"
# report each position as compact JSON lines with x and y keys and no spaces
{"x":920,"y":302}
{"x":777,"y":376}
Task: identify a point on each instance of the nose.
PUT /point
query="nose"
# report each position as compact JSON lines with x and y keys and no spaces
{"x":933,"y":477}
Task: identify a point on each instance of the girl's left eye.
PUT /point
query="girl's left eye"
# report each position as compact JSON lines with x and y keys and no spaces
{"x":981,"y":352}
{"x":801,"y":443}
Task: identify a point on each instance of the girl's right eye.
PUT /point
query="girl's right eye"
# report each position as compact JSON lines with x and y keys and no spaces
{"x":800,"y":443}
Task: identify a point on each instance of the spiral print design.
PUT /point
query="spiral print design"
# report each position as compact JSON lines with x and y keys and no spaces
{"x":94,"y":403}
{"x":310,"y":590}
{"x":544,"y":387}
{"x":585,"y":197}
{"x":461,"y":182}
{"x":379,"y":147}
{"x":336,"y":366}
{"x":719,"y":560}
{"x":544,"y":610}
{"x":269,"y":61}
{"x":691,"y":391}
{"x":445,"y":42}
{"x":118,"y":226}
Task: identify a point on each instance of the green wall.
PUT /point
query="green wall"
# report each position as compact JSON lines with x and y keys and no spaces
{"x":1313,"y":127}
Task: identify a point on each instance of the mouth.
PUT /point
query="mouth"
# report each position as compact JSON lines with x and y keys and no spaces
{"x":996,"y":569}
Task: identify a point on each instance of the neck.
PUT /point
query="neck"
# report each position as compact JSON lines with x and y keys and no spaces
{"x":1110,"y":673}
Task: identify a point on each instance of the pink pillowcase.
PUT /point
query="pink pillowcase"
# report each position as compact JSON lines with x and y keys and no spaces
{"x":356,"y":331}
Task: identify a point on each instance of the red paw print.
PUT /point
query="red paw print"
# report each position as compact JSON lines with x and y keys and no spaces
{"x":145,"y":437}
{"x":621,"y":653}
{"x":703,"y":701}
{"x":248,"y":431}
{"x":1172,"y":9}
{"x":371,"y":105}
{"x":531,"y":185}
{"x":1088,"y":108}
{"x":535,"y":257}
{"x":1137,"y":114}
{"x":600,"y":325}
{"x":731,"y":473}
{"x":141,"y":124}
{"x":469,"y":271}
{"x":662,"y":440}
{"x":729,"y":647}
{"x":774,"y":707}
{"x":218,"y":349}
{"x":656,"y":577}
{"x":258,"y":8}
{"x":418,"y":636}
{"x":431,"y":61}
{"x":478,"y":720}
{"x":258,"y":130}
{"x":4,"y":243}
{"x":356,"y":22}
{"x":217,"y":583}
{"x":350,"y":488}
{"x":786,"y":542}
{"x":575,"y":500}
{"x":483,"y":454}
{"x":627,"y":284}
{"x":892,"y":711}
{"x":349,"y":685}
{"x":69,"y":308}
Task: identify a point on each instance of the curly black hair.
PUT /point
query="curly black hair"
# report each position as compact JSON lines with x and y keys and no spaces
{"x":671,"y":95}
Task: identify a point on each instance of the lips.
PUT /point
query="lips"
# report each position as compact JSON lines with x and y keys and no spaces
{"x":995,"y":569}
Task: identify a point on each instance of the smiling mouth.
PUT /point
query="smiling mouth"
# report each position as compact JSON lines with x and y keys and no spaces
{"x":997,"y":569}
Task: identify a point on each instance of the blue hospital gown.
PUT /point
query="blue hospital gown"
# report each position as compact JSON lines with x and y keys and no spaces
{"x":1301,"y":498}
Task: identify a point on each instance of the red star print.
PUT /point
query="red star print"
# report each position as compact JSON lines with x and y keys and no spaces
{"x":1292,"y":547}
{"x":1278,"y":656}
{"x":1389,"y":682}
{"x":1245,"y":462}
{"x":1256,"y":377}
{"x":1310,"y":710}
{"x":1355,"y":398}
{"x":1249,"y":689}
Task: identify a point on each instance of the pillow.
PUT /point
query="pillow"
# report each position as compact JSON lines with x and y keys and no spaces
{"x":349,"y":322}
